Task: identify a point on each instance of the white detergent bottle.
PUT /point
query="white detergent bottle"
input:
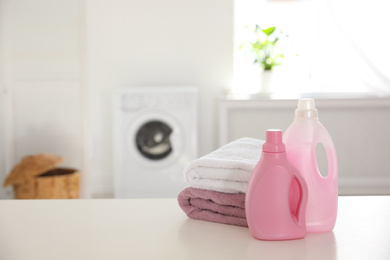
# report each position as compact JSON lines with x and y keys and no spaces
{"x":301,"y":139}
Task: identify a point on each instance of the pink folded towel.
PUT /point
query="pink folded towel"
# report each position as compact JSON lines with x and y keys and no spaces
{"x":213,"y":206}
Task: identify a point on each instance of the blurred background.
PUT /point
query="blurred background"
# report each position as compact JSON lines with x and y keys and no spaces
{"x":94,"y":80}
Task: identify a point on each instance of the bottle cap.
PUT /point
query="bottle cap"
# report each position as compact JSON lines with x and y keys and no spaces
{"x":306,"y":109}
{"x":273,"y":141}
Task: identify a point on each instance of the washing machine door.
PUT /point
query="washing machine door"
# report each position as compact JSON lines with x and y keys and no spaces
{"x":155,"y":139}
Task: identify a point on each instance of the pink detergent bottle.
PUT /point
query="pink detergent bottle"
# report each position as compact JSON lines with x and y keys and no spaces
{"x":271,"y":211}
{"x":301,"y":139}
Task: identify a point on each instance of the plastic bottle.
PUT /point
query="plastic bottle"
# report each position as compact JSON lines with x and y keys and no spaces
{"x":270,"y":211}
{"x":301,"y":139}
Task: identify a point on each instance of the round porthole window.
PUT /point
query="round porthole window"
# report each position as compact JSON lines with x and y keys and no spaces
{"x":152,"y":140}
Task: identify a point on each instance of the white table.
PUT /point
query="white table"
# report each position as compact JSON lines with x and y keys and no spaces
{"x":158,"y":229}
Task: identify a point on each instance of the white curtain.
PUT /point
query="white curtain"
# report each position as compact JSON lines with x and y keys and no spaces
{"x":365,"y":27}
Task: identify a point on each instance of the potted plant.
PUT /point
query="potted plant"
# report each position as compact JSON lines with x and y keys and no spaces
{"x":265,"y":52}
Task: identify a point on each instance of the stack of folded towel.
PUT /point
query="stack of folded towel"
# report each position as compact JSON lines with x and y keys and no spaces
{"x":218,"y":182}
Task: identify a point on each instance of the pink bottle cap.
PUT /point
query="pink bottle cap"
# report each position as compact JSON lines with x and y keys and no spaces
{"x":273,"y":141}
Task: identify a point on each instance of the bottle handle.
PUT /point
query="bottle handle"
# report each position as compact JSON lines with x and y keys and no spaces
{"x":331,"y":157}
{"x":300,"y":190}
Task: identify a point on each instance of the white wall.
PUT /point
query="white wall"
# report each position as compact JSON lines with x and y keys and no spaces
{"x":2,"y":97}
{"x":154,"y":43}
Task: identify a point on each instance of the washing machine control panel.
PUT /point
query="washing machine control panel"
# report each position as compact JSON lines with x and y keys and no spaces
{"x":138,"y":101}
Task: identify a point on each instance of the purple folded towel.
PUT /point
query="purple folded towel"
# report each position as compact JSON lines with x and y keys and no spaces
{"x":213,"y":206}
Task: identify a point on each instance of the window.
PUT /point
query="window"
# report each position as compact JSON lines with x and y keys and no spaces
{"x":334,"y":45}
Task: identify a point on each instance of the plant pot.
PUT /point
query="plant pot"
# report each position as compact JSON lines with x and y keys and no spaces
{"x":266,"y":80}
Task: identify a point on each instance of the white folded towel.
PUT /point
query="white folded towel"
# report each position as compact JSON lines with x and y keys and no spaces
{"x":226,"y":169}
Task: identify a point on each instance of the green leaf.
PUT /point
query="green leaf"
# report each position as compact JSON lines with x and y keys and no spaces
{"x":269,"y":30}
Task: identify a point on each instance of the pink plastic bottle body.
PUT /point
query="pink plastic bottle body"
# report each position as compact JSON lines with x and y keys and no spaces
{"x":301,"y":139}
{"x":269,"y":211}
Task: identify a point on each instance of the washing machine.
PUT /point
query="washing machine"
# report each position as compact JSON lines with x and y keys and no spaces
{"x":155,"y":135}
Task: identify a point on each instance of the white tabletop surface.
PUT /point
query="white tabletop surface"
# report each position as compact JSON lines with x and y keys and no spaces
{"x":158,"y":229}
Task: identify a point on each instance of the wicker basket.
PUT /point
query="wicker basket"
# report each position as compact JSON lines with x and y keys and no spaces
{"x":62,"y":183}
{"x":36,"y":177}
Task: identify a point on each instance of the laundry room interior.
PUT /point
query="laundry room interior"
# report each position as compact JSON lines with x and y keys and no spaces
{"x":128,"y":93}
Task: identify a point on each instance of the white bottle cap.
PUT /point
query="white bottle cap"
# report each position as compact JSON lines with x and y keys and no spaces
{"x":306,"y":109}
